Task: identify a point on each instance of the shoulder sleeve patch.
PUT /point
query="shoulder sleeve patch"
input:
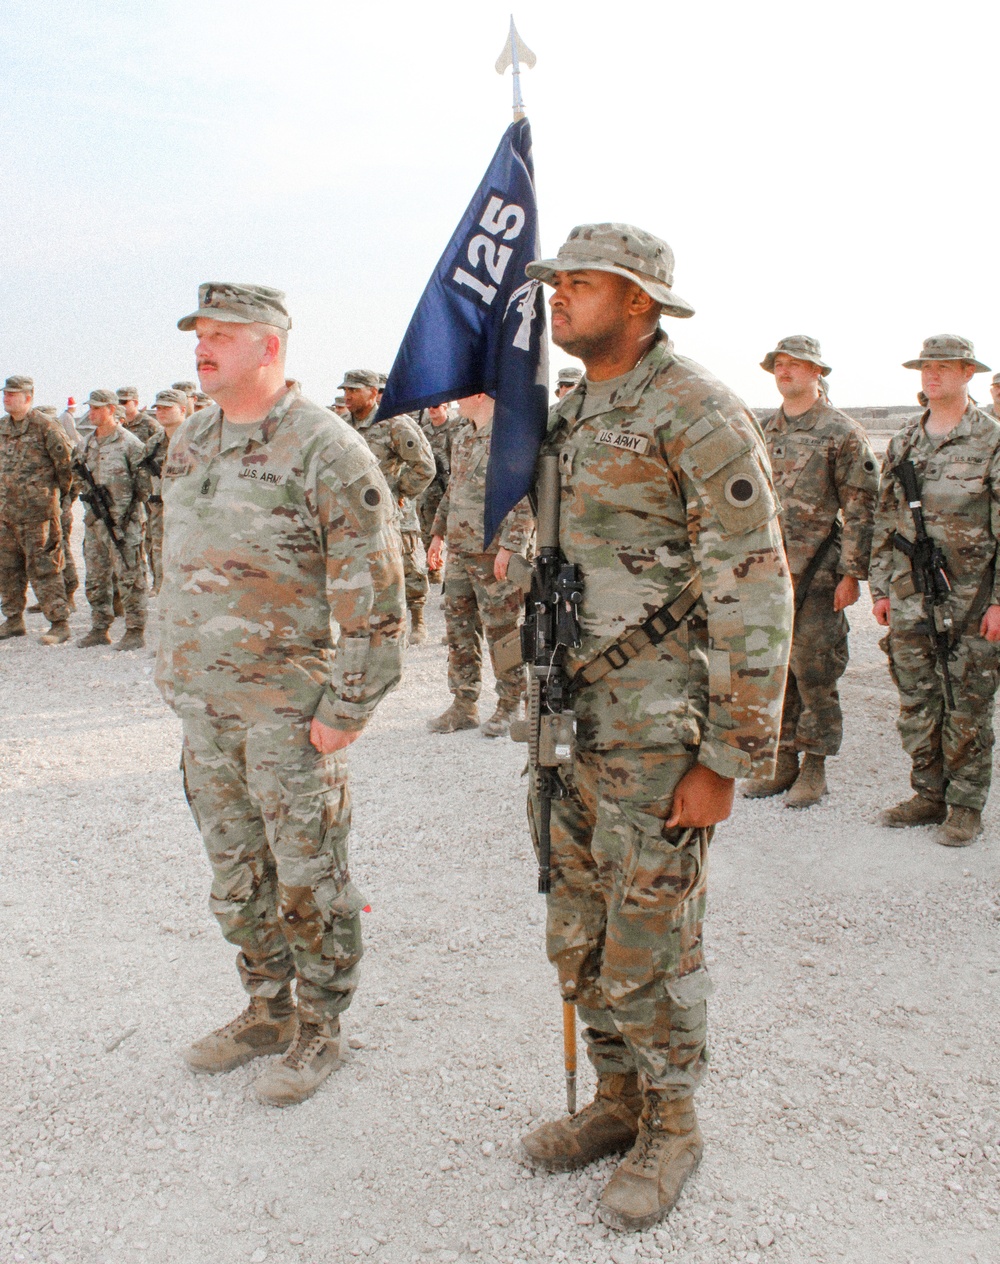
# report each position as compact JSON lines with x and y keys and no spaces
{"x":708,"y":455}
{"x":354,"y":461}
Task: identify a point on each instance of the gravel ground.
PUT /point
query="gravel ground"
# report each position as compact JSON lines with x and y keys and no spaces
{"x":851,"y":1112}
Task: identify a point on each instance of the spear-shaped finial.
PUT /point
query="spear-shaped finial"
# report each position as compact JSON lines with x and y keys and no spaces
{"x":515,"y":51}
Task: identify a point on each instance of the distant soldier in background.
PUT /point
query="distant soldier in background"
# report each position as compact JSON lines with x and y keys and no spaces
{"x":439,"y":429}
{"x":407,"y":463}
{"x":71,"y":579}
{"x":35,"y":473}
{"x":116,"y":463}
{"x":955,"y":451}
{"x":171,"y":410}
{"x":137,"y":421}
{"x":67,"y":419}
{"x":566,"y":380}
{"x":190,"y":389}
{"x":826,"y":477}
{"x":478,"y":596}
{"x":991,"y":410}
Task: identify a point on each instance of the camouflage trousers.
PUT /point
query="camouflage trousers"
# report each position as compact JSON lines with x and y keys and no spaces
{"x":274,"y":815}
{"x":32,"y":551}
{"x":154,"y":541}
{"x":478,"y":604}
{"x":625,"y":916}
{"x":951,"y":751}
{"x":811,"y":719}
{"x":71,"y":580}
{"x":105,"y":565}
{"x":427,"y":507}
{"x":414,"y":569}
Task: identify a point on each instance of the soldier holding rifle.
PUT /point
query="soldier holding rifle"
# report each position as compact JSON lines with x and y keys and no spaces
{"x":672,"y":567}
{"x":934,"y":586}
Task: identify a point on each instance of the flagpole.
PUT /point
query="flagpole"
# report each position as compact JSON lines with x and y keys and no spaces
{"x":516,"y":77}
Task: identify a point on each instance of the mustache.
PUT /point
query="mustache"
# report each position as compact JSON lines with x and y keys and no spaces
{"x":205,"y":364}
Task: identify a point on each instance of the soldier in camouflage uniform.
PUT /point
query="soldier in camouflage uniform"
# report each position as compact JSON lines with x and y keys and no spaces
{"x":71,"y":579}
{"x":146,"y":428}
{"x":35,"y":477}
{"x":479,"y":599}
{"x":279,"y":526}
{"x":171,"y":410}
{"x":826,"y":477}
{"x":991,"y":409}
{"x":666,"y":496}
{"x":191,"y":395}
{"x":116,"y":461}
{"x":566,"y":380}
{"x":439,"y":430}
{"x":406,"y":460}
{"x":955,"y":450}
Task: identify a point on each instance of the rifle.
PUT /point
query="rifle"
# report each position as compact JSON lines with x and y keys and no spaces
{"x":929,"y":568}
{"x":99,"y":499}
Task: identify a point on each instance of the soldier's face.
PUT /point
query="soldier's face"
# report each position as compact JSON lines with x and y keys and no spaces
{"x":438,"y":414}
{"x":995,"y":392}
{"x":228,"y":355}
{"x":103,"y":415}
{"x":563,"y":388}
{"x":792,"y":376}
{"x":17,"y":403}
{"x":169,"y":416}
{"x":945,"y":379}
{"x":359,"y":399}
{"x":131,"y":407}
{"x":589,"y":309}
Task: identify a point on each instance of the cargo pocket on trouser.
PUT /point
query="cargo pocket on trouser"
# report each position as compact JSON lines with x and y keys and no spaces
{"x":654,"y":973}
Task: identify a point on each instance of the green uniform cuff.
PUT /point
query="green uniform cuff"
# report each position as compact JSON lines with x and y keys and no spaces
{"x":724,"y":759}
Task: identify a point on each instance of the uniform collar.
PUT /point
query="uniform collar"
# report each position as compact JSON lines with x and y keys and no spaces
{"x":263,"y":431}
{"x":630,"y":392}
{"x":804,"y":421}
{"x":964,"y":428}
{"x":364,"y":422}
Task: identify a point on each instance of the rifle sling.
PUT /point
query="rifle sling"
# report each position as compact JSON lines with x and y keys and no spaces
{"x":815,"y":562}
{"x":655,"y":629}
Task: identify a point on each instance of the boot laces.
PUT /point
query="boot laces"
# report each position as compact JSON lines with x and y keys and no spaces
{"x":309,"y":1040}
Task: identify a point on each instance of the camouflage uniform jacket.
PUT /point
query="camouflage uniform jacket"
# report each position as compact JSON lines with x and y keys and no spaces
{"x":440,"y":438}
{"x":117,"y":462}
{"x":35,"y":468}
{"x":959,"y":476}
{"x":824,"y":470}
{"x":460,"y":515}
{"x":405,"y":458}
{"x":663,"y":481}
{"x":273,"y":535}
{"x":144,"y":426}
{"x":156,"y":455}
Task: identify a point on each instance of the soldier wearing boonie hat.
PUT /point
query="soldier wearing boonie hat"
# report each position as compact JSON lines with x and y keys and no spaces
{"x":281,"y":512}
{"x":991,"y":409}
{"x":954,"y":447}
{"x":666,"y":503}
{"x":828,"y":504}
{"x":566,"y":379}
{"x":407,"y":462}
{"x":35,"y":478}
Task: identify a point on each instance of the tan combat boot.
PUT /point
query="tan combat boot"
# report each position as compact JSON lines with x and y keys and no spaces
{"x":810,"y":784}
{"x":264,"y":1027}
{"x":134,"y":639}
{"x":96,"y":636}
{"x":462,"y":714}
{"x":916,"y":811}
{"x":310,"y":1058}
{"x":609,"y":1125}
{"x":418,"y":628}
{"x":12,"y":627}
{"x":961,"y":827}
{"x":58,"y":633}
{"x":650,"y":1178}
{"x":498,"y":725}
{"x":785,"y":772}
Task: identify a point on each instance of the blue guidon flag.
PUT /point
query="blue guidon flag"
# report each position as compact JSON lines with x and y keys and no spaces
{"x":480,"y":326}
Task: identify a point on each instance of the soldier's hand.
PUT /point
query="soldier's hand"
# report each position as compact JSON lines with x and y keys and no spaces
{"x":702,"y":798}
{"x":327,"y":740}
{"x":501,"y":563}
{"x":434,"y":553}
{"x":880,"y":610}
{"x":990,"y":626}
{"x":846,"y":593}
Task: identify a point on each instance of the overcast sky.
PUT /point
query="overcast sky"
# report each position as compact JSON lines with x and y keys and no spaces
{"x":821,"y":169}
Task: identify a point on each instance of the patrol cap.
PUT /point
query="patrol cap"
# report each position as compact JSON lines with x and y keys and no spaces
{"x":239,"y":305}
{"x":568,"y":376}
{"x":202,"y":400}
{"x":947,"y":347}
{"x":189,"y":388}
{"x":996,"y":380}
{"x":620,"y":248}
{"x":125,"y":393}
{"x":101,"y":399}
{"x":18,"y":382}
{"x":354,"y":378}
{"x":48,"y":410}
{"x":382,"y":380}
{"x":172,"y":396}
{"x":799,"y":347}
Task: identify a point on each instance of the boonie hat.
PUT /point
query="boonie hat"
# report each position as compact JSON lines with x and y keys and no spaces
{"x":620,"y":248}
{"x":172,"y":396}
{"x":239,"y":305}
{"x":126,"y":393}
{"x":947,"y":347}
{"x":18,"y":382}
{"x":101,"y":399}
{"x":799,"y":347}
{"x":360,"y":377}
{"x":568,"y":376}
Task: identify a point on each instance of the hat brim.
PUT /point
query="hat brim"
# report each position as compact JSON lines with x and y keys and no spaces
{"x":919,"y":364}
{"x":768,"y":361}
{"x":546,"y":269}
{"x":186,"y":323}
